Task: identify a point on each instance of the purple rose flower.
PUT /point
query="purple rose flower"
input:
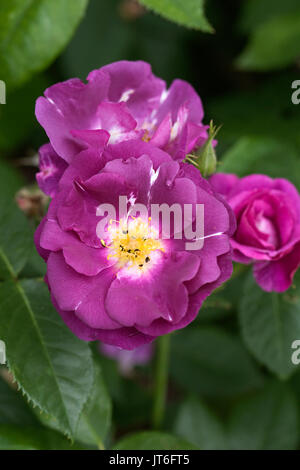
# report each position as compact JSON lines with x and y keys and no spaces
{"x":127,"y":101}
{"x":127,"y":360}
{"x":125,"y":290}
{"x":52,"y":168}
{"x":268,"y":226}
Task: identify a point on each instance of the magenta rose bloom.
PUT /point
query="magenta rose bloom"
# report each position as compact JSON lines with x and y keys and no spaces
{"x":125,"y":290}
{"x":127,"y":101}
{"x":52,"y":168}
{"x":268,"y":226}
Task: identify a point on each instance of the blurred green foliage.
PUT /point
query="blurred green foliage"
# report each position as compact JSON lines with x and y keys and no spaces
{"x":274,"y":28}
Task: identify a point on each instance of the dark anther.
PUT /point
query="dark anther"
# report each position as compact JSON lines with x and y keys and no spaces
{"x":147,"y":259}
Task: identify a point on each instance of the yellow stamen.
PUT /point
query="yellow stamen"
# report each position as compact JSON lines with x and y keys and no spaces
{"x":133,"y":242}
{"x":146,"y":137}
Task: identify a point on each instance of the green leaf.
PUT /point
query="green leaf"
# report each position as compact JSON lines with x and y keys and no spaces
{"x":53,"y":368}
{"x":209,"y":361}
{"x":35,"y":266}
{"x":16,"y":438}
{"x":150,"y":440}
{"x":19,"y":427}
{"x":265,"y":421}
{"x":189,"y":13}
{"x":263,"y":155}
{"x":32,"y":438}
{"x":13,"y":409}
{"x":270,"y":323}
{"x":198,"y":425}
{"x":33,"y":33}
{"x":273,"y":45}
{"x":95,"y":420}
{"x":15,"y":239}
{"x":15,"y":233}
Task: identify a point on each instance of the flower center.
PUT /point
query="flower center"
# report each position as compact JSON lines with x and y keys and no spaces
{"x":133,"y":242}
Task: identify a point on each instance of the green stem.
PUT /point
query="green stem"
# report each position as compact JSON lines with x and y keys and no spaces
{"x":100,"y":445}
{"x":161,"y":380}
